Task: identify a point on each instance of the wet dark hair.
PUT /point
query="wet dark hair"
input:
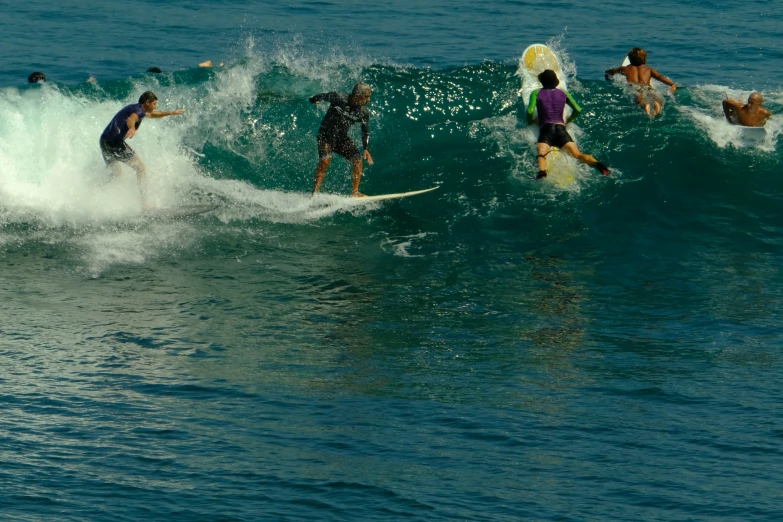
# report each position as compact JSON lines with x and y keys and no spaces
{"x":549,"y":79}
{"x":147,"y":97}
{"x":637,"y":56}
{"x":154,"y":70}
{"x":36,"y":77}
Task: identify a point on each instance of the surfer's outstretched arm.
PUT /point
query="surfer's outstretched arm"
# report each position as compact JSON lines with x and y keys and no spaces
{"x":163,"y":114}
{"x":325,"y":96}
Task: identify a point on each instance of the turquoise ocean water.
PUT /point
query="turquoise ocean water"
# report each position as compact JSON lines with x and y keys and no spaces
{"x":498,"y":349}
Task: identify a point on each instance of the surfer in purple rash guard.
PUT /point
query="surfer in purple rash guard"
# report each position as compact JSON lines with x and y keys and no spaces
{"x":344,"y":111}
{"x":550,"y":102}
{"x":124,"y":125}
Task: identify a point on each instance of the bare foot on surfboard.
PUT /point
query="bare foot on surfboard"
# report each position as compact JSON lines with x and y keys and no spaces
{"x":357,"y":195}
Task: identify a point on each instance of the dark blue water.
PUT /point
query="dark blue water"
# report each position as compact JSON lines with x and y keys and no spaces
{"x":498,"y":349}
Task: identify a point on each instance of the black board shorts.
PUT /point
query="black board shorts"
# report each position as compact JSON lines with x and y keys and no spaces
{"x":342,"y":145}
{"x":116,"y":151}
{"x":554,"y":135}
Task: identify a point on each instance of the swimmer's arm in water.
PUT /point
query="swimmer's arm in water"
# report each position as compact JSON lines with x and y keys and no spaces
{"x":162,"y":114}
{"x":531,"y":106}
{"x":611,"y":72}
{"x":661,"y":78}
{"x":576,"y":109}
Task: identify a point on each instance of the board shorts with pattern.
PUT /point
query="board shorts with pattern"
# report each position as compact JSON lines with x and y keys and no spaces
{"x":554,"y":135}
{"x":116,"y":151}
{"x":646,"y":93}
{"x":342,"y":145}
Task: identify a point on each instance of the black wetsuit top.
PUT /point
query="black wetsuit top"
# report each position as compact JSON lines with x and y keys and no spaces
{"x":341,"y":116}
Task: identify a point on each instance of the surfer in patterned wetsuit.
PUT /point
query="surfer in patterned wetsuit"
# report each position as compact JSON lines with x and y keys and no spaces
{"x":345,"y":111}
{"x":550,"y":102}
{"x":124,"y":125}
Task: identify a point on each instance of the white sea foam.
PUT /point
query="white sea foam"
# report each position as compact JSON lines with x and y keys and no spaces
{"x":52,"y":174}
{"x":402,"y":245}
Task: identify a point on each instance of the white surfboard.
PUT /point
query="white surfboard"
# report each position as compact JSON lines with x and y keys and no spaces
{"x":178,"y":212}
{"x":534,"y":60}
{"x":381,"y":197}
{"x":752,"y":135}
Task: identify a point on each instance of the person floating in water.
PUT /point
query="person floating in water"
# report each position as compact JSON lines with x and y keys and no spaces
{"x":124,"y":125}
{"x":639,"y":74}
{"x":36,"y":77}
{"x":550,"y":102}
{"x":752,"y":114}
{"x":345,"y":110}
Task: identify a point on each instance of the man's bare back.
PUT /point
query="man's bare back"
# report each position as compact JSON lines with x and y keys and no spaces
{"x":639,"y":73}
{"x":751,"y":114}
{"x":643,"y":74}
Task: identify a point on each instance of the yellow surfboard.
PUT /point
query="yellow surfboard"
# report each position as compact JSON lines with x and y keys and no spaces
{"x":560,"y":170}
{"x":538,"y":57}
{"x":534,"y":60}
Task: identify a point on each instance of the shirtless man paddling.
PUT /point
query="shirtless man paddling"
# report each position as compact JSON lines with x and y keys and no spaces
{"x":752,"y":114}
{"x":639,"y":74}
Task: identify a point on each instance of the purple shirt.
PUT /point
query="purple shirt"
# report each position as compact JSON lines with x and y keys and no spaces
{"x":550,"y":105}
{"x":118,"y":126}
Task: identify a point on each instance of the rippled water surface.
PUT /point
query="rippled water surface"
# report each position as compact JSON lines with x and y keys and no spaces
{"x":497,"y":349}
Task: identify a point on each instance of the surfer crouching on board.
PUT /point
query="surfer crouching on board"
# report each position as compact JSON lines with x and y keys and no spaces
{"x":345,"y":110}
{"x":752,"y":114}
{"x":124,"y":125}
{"x":550,"y":102}
{"x":639,"y":74}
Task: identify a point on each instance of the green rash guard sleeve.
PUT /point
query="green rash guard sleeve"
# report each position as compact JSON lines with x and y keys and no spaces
{"x":531,"y":106}
{"x":575,"y":106}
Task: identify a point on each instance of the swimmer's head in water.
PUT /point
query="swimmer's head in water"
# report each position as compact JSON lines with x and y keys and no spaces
{"x":549,"y":79}
{"x":36,"y":77}
{"x":154,"y":70}
{"x":755,"y":98}
{"x":360,"y":95}
{"x":637,"y":56}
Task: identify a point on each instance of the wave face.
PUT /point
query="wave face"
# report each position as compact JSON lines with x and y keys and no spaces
{"x":499,"y":348}
{"x":247,"y":142}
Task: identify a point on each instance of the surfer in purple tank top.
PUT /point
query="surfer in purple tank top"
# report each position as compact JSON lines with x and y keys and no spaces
{"x":124,"y":126}
{"x":550,"y":103}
